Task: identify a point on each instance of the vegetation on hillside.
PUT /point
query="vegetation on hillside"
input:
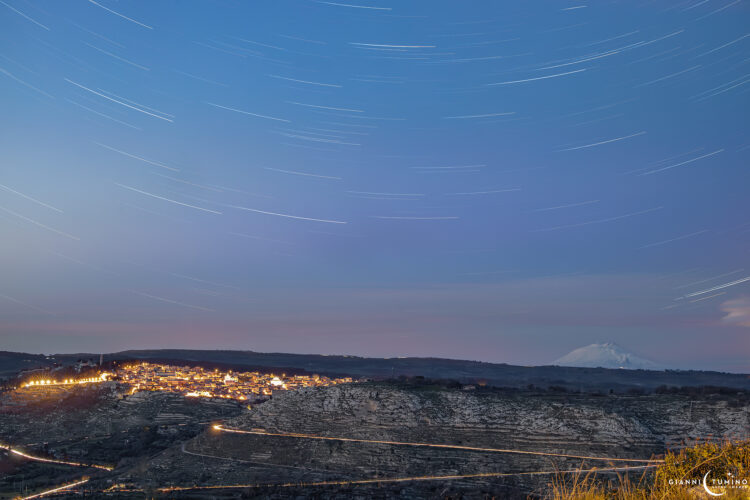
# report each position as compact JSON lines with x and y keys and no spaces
{"x":679,"y":477}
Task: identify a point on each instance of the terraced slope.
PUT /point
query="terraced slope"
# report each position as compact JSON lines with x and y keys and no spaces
{"x":615,"y":427}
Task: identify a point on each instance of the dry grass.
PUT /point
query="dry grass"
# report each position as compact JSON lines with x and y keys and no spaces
{"x":720,"y":458}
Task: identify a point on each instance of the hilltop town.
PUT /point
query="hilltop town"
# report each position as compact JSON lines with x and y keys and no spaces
{"x":189,"y":381}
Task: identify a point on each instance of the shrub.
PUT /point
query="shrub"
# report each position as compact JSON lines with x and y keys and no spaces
{"x":663,"y":482}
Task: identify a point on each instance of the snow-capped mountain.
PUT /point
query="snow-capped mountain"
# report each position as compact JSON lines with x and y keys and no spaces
{"x":608,"y":355}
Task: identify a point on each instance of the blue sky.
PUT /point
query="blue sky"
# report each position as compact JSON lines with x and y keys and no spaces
{"x":500,"y":181}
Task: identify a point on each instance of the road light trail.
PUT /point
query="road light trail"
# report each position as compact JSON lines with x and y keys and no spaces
{"x":35,"y":458}
{"x":256,"y":464}
{"x":221,"y":428}
{"x":56,"y":490}
{"x":402,"y":479}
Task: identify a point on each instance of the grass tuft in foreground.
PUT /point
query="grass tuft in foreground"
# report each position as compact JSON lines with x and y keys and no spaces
{"x":679,"y":477}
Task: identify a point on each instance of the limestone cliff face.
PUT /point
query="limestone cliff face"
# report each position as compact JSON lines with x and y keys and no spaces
{"x":578,"y":424}
{"x":488,"y":418}
{"x":162,"y":439}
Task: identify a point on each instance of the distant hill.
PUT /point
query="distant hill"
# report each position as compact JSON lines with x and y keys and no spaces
{"x":607,"y":355}
{"x":13,"y":362}
{"x":501,"y":375}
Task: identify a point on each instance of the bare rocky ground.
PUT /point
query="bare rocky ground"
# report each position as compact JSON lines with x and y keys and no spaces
{"x":93,"y":424}
{"x":160,"y":440}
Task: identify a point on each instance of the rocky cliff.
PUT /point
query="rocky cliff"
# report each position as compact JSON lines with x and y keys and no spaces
{"x":616,"y":426}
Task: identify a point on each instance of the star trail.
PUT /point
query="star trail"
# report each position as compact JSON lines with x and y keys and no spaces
{"x":380,"y":162}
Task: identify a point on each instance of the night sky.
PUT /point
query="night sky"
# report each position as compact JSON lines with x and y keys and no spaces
{"x":500,"y":181}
